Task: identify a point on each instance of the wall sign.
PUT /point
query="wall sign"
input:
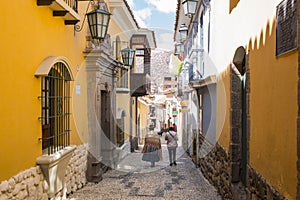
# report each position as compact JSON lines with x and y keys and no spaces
{"x":77,"y":89}
{"x":286,"y":27}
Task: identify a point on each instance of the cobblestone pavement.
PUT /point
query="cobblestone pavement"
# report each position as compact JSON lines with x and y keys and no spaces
{"x":136,"y":179}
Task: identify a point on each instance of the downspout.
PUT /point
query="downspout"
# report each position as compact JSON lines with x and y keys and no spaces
{"x":131,"y":129}
{"x":136,"y":121}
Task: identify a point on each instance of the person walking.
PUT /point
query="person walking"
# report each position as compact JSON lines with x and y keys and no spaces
{"x":172,"y":138}
{"x":174,"y":127}
{"x":152,"y":151}
{"x":169,"y":121}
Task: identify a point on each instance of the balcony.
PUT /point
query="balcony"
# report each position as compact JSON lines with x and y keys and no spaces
{"x":139,"y":84}
{"x":67,"y":9}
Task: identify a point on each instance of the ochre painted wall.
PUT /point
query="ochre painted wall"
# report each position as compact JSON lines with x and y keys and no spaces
{"x":29,"y":34}
{"x":233,"y":4}
{"x":144,"y":119}
{"x":273,"y":112}
{"x":123,"y":101}
{"x":223,"y":109}
{"x":79,"y":106}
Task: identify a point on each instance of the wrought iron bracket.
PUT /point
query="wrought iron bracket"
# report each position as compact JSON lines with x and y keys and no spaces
{"x":100,"y":5}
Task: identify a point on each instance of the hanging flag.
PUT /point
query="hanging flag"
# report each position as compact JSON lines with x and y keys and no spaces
{"x":174,"y":65}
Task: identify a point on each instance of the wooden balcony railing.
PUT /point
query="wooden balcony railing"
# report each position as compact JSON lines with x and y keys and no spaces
{"x":139,"y":84}
{"x":73,"y":4}
{"x":68,"y":9}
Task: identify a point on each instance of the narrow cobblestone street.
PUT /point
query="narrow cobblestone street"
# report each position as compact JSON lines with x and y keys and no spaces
{"x":135,"y":179}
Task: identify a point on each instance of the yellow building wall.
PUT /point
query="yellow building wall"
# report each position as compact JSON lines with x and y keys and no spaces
{"x":233,"y":4}
{"x":273,"y":112}
{"x":79,"y":107}
{"x":143,"y":113}
{"x":223,"y":109}
{"x":123,"y":101}
{"x":29,"y":34}
{"x":133,"y":119}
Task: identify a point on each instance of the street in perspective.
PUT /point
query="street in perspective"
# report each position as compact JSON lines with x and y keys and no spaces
{"x":136,"y":179}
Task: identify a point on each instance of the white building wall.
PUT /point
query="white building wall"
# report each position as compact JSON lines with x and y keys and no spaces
{"x":229,"y":31}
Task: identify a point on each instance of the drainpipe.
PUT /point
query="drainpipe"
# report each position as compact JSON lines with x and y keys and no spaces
{"x":136,"y":119}
{"x":131,"y":129}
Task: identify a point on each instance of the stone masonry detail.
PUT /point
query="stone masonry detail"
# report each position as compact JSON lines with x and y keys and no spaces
{"x":31,"y":184}
{"x":259,"y":188}
{"x":76,"y":172}
{"x":215,"y":167}
{"x":236,"y":124}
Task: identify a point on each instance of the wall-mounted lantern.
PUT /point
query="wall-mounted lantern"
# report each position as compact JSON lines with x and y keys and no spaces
{"x":178,"y":48}
{"x":183,"y":31}
{"x":189,"y":7}
{"x":128,"y":56}
{"x":98,"y":20}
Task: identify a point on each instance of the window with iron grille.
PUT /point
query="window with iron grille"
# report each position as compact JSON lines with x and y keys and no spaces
{"x":56,"y":109}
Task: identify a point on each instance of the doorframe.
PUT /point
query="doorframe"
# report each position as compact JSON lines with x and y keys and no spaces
{"x":240,"y":117}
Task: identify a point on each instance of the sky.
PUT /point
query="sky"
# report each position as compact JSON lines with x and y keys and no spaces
{"x":156,"y":15}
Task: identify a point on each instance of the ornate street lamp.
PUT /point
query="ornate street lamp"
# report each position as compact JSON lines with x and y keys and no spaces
{"x":128,"y":56}
{"x":189,"y":7}
{"x":183,"y":31}
{"x":98,"y":20}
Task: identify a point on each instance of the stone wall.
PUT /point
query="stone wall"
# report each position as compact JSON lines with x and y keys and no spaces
{"x":215,"y":167}
{"x":76,"y":172}
{"x":31,"y":184}
{"x":259,"y":188}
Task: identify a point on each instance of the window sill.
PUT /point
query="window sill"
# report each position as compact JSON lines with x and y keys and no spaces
{"x":54,"y":168}
{"x":123,"y":90}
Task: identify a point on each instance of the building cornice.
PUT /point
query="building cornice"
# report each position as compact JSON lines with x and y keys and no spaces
{"x":123,"y":16}
{"x":203,"y":82}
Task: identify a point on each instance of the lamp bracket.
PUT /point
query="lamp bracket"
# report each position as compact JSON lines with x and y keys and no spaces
{"x":100,"y":5}
{"x":78,"y":28}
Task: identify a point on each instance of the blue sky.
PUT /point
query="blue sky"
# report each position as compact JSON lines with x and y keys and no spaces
{"x":157,"y":15}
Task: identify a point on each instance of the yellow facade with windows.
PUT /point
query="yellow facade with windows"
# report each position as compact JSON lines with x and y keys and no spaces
{"x":274,"y":110}
{"x":273,"y":96}
{"x":30,"y":35}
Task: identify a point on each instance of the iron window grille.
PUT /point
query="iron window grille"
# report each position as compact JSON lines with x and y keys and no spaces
{"x":56,"y":109}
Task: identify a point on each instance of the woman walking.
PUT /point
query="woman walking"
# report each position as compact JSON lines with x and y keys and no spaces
{"x":152,"y":149}
{"x":172,"y":138}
